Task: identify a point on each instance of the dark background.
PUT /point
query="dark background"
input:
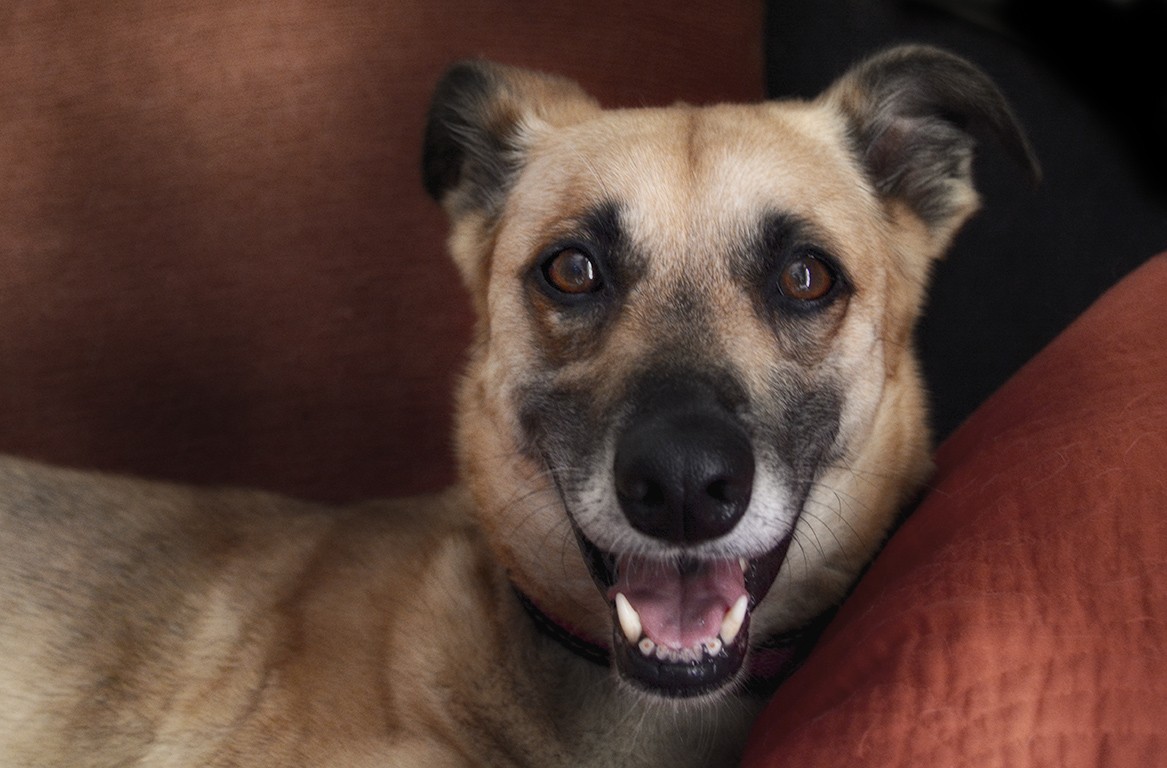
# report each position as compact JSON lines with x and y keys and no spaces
{"x":1089,"y":84}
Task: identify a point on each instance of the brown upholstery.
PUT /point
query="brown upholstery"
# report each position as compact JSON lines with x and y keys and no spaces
{"x":1019,"y":618}
{"x":218,"y":263}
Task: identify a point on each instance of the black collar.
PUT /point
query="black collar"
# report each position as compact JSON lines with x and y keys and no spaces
{"x":572,"y":641}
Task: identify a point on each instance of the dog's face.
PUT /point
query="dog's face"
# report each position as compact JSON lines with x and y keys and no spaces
{"x":693,"y":384}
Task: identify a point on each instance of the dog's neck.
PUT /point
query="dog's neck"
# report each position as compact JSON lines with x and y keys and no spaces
{"x":768,"y":665}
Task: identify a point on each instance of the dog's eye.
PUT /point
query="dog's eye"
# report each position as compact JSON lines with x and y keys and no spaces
{"x":571,"y":271}
{"x":807,"y":278}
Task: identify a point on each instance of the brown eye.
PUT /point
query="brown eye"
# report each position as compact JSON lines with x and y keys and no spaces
{"x":807,"y":278}
{"x":573,"y":272}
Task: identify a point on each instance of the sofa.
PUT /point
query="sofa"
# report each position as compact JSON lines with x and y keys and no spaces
{"x":219,"y":266}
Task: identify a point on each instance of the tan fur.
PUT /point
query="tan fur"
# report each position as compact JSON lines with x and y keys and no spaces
{"x":153,"y":625}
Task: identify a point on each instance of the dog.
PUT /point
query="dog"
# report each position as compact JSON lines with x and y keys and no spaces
{"x":691,"y":413}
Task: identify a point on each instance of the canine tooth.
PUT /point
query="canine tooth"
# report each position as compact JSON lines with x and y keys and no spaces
{"x":629,"y":618}
{"x":743,"y":563}
{"x":713,"y":646}
{"x":734,"y":617}
{"x":646,"y":646}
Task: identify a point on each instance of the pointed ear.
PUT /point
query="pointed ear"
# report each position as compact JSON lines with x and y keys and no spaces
{"x":915,"y":114}
{"x":482,"y":121}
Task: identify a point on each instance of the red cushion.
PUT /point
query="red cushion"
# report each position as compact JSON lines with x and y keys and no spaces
{"x":1019,"y":618}
{"x":218,"y":261}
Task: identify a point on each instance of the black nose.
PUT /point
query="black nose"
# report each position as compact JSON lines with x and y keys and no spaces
{"x":684,"y":475}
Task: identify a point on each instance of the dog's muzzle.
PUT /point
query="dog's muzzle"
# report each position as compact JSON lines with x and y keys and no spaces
{"x":684,"y":474}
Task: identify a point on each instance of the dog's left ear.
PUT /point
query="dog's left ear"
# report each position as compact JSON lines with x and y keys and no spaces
{"x":482,"y":121}
{"x":914,"y":113}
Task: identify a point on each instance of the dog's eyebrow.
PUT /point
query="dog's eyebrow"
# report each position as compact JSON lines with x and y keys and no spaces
{"x":601,"y":225}
{"x":775,"y":233}
{"x":788,"y":229}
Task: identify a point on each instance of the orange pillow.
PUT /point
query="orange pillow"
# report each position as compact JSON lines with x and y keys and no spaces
{"x":1019,"y":617}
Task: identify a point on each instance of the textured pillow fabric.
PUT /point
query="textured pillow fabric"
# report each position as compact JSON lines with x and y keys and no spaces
{"x":1019,"y":617}
{"x":218,"y":262}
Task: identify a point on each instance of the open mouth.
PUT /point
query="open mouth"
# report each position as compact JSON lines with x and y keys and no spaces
{"x":681,"y":626}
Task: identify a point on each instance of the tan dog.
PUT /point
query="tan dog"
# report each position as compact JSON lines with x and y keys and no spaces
{"x":691,"y":414}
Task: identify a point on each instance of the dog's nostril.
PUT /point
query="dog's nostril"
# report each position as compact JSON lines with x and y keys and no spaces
{"x":720,"y":490}
{"x":641,"y":491}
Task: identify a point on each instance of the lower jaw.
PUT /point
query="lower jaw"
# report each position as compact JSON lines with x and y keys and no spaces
{"x":680,"y":679}
{"x":709,"y":673}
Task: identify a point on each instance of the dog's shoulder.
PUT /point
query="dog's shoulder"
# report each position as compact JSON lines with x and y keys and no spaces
{"x":141,"y":616}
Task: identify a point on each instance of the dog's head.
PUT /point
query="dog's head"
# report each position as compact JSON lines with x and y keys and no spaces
{"x":693,"y":382}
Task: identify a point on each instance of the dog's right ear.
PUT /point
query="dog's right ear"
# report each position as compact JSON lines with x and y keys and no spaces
{"x":482,"y":122}
{"x":914,"y":114}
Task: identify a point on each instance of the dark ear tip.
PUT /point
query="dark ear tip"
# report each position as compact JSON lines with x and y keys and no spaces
{"x":467,"y":76}
{"x":915,"y":80}
{"x":464,"y":86}
{"x":1013,"y":138}
{"x":1002,"y":120}
{"x":1028,"y":160}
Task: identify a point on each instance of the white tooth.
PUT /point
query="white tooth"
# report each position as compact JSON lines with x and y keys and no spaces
{"x":646,"y":646}
{"x":743,"y":563}
{"x":713,"y":646}
{"x":629,"y":618}
{"x":732,"y":623}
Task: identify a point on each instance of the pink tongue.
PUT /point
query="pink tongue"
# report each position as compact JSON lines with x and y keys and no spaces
{"x":679,"y":610}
